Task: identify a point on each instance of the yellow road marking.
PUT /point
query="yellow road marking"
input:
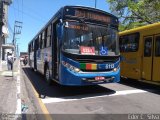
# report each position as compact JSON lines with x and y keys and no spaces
{"x":43,"y":107}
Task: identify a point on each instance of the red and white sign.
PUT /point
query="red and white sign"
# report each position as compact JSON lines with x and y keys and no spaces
{"x":87,"y":50}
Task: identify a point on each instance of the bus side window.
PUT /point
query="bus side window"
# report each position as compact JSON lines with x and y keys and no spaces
{"x":45,"y":43}
{"x":129,"y":43}
{"x":48,"y":43}
{"x":29,"y":48}
{"x":32,"y":46}
{"x":157,"y":49}
{"x":43,"y":39}
{"x":40,"y":41}
{"x":36,"y":44}
{"x":148,"y":47}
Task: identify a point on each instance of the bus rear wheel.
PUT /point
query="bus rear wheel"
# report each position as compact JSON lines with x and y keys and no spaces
{"x":47,"y":76}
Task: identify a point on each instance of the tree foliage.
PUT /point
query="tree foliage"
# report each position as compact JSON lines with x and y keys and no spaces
{"x":133,"y":13}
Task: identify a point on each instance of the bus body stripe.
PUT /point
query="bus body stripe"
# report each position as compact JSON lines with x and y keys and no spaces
{"x":88,"y":66}
{"x":83,"y":66}
{"x":94,"y":66}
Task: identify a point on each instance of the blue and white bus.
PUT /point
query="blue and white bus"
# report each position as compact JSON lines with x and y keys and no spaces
{"x":78,"y":46}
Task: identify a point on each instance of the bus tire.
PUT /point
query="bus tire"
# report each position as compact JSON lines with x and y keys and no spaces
{"x":47,"y":76}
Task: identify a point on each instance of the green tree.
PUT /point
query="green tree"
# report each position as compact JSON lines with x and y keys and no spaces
{"x":134,"y":13}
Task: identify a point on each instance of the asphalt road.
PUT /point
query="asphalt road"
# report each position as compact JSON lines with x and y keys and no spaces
{"x":124,"y":100}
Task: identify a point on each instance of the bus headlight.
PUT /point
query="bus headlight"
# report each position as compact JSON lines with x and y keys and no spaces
{"x":70,"y":67}
{"x":76,"y":70}
{"x":115,"y":69}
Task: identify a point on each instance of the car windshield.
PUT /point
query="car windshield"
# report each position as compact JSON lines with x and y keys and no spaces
{"x":80,"y":38}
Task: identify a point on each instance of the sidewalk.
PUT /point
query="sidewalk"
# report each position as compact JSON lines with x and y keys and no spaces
{"x":9,"y":73}
{"x":8,"y":88}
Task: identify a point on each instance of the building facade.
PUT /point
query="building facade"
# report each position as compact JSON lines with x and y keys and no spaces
{"x":3,"y":26}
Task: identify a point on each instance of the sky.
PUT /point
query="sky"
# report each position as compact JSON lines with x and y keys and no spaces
{"x":34,"y":14}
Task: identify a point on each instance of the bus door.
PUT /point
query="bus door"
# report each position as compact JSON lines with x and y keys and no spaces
{"x":156,"y":59}
{"x":55,"y":52}
{"x":147,"y":60}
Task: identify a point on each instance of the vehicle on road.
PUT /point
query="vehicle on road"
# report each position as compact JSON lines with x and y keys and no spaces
{"x":78,"y":46}
{"x":21,"y":59}
{"x":140,"y":53}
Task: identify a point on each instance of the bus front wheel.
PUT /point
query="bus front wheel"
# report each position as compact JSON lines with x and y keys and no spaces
{"x":47,"y":76}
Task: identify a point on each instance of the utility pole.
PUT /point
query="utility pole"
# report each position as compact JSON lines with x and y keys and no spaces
{"x":17,"y":31}
{"x":17,"y":51}
{"x":95,"y":3}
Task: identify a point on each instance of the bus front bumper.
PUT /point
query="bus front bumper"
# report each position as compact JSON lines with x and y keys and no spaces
{"x":70,"y":78}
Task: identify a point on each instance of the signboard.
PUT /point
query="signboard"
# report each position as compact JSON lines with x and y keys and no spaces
{"x":90,"y":15}
{"x":87,"y":50}
{"x":78,"y":27}
{"x":103,"y":51}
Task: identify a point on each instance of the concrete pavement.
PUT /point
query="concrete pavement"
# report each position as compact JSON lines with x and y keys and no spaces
{"x":10,"y":91}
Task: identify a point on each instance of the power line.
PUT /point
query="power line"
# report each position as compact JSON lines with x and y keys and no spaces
{"x":31,"y":16}
{"x":22,"y":10}
{"x":14,"y":11}
{"x":18,"y":7}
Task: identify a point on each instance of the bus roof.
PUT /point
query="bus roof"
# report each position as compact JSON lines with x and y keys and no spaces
{"x":61,"y":11}
{"x":92,"y":9}
{"x":140,"y":28}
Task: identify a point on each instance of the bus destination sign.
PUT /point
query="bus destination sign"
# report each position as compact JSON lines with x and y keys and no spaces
{"x":92,"y":16}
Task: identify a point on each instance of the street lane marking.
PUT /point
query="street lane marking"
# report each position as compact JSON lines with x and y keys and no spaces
{"x":8,"y":73}
{"x":43,"y":107}
{"x":18,"y":108}
{"x":65,"y":99}
{"x":18,"y":85}
{"x":126,"y":92}
{"x":18,"y":111}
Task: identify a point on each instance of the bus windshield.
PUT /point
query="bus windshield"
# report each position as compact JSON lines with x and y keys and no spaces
{"x":81,"y":38}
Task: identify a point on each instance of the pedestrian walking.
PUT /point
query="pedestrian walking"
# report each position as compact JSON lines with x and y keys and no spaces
{"x":9,"y":61}
{"x":25,"y":61}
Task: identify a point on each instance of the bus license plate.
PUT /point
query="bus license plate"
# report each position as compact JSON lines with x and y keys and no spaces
{"x":99,"y":78}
